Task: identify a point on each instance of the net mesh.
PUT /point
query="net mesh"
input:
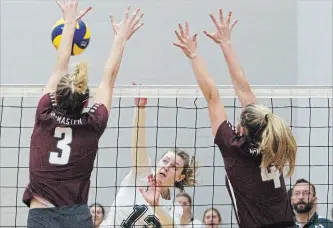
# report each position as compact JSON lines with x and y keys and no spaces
{"x":177,"y":116}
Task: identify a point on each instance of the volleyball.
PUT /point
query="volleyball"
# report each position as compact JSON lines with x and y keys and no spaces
{"x":81,"y":36}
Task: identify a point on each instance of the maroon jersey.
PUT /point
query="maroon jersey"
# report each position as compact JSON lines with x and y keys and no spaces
{"x":62,"y":153}
{"x":259,"y":195}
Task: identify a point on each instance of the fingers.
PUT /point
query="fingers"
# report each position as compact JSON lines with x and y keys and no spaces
{"x":84,"y":12}
{"x":71,"y":6}
{"x":59,"y":4}
{"x":185,"y":41}
{"x":134,"y":16}
{"x":179,"y":37}
{"x":209,"y":35}
{"x":75,"y":4}
{"x":182,"y":33}
{"x":214,"y":20}
{"x":221,"y":16}
{"x":187,"y":29}
{"x":142,"y":191}
{"x":229,"y":18}
{"x":112,"y":19}
{"x":127,"y":12}
{"x":131,"y":22}
{"x":158,"y":188}
{"x":135,"y":22}
{"x":68,"y":4}
{"x":180,"y":45}
{"x":233,"y":24}
{"x":143,"y":101}
{"x":226,"y":23}
{"x":195,"y":37}
{"x":137,"y":27}
{"x":150,"y":180}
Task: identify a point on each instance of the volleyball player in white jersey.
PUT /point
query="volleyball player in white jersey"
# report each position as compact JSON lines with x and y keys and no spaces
{"x":145,"y":198}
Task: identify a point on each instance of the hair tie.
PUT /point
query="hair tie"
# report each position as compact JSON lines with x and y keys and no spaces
{"x":72,"y":86}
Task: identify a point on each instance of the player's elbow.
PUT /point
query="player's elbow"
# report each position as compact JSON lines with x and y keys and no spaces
{"x":245,"y":95}
{"x":212,"y":95}
{"x":107,"y":83}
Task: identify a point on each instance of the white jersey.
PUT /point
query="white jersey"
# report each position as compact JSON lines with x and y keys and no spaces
{"x":194,"y":224}
{"x":131,"y":210}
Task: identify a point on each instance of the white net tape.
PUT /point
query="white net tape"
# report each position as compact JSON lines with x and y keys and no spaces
{"x":183,"y":91}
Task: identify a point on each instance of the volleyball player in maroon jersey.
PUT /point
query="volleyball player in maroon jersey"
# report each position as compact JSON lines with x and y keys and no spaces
{"x":65,"y":140}
{"x":256,"y":154}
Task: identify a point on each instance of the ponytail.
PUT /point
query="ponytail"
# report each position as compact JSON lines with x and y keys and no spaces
{"x":271,"y":135}
{"x":79,"y":81}
{"x":278,"y":145}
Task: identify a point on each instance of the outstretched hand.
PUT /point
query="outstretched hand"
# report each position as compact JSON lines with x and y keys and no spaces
{"x":129,"y":25}
{"x":140,"y":102}
{"x":153,"y":193}
{"x":69,"y":10}
{"x":222,"y":34}
{"x":186,"y":42}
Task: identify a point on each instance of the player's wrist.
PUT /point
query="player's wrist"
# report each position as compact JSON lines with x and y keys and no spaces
{"x":121,"y":40}
{"x":225,"y":45}
{"x":192,"y":56}
{"x":155,"y":204}
{"x":69,"y":21}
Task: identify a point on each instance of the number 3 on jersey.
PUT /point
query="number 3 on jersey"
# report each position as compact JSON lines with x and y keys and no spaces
{"x":62,"y":145}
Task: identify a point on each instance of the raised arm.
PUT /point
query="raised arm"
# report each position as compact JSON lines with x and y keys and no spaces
{"x":222,"y":37}
{"x":206,"y":83}
{"x":70,"y":17}
{"x":123,"y":32}
{"x":140,"y":159}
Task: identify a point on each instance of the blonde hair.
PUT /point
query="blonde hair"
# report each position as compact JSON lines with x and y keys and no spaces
{"x":190,"y":169}
{"x":72,"y":89}
{"x":271,"y":136}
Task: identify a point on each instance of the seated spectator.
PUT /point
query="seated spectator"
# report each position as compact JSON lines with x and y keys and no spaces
{"x":97,"y":212}
{"x":187,"y":219}
{"x":304,"y":202}
{"x":212,"y":218}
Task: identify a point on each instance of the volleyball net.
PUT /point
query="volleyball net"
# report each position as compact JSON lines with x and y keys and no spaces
{"x":177,"y":116}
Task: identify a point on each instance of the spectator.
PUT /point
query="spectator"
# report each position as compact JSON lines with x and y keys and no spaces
{"x":304,"y":202}
{"x":212,"y":218}
{"x":97,"y":212}
{"x":187,"y":219}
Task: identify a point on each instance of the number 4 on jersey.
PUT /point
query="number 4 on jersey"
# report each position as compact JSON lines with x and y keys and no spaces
{"x":62,"y":145}
{"x":274,"y":175}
